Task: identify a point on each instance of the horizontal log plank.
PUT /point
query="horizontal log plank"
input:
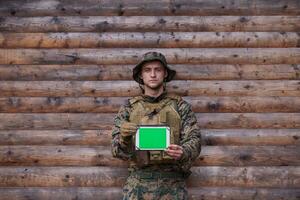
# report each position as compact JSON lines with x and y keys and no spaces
{"x":271,"y":177}
{"x":243,"y":104}
{"x":131,"y":88}
{"x":56,"y":137}
{"x":58,"y":156}
{"x":66,"y":193}
{"x":210,"y":137}
{"x":56,"y":121}
{"x":112,"y":193}
{"x":227,"y":193}
{"x":254,"y":137}
{"x":151,"y":24}
{"x":129,"y":8}
{"x":61,"y":104}
{"x":101,"y":156}
{"x":248,"y":120}
{"x":151,"y":40}
{"x":52,"y":121}
{"x":132,"y":56}
{"x":62,"y":176}
{"x":245,"y":176}
{"x":124,"y":72}
{"x":249,"y":156}
{"x":113,"y":104}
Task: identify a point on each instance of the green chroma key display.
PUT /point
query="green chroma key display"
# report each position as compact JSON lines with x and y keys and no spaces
{"x":152,"y":137}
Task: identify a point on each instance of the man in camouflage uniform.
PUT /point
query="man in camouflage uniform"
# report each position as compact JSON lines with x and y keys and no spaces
{"x":156,"y":174}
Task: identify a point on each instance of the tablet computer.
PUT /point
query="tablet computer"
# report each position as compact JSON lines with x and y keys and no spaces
{"x":152,"y":137}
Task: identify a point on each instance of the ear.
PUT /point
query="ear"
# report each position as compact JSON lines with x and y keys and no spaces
{"x":166,"y":73}
{"x":140,"y":76}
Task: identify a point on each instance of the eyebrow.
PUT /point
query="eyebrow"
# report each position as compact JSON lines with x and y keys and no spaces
{"x":147,"y":67}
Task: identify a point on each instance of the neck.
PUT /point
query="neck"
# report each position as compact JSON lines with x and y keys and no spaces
{"x":154,"y":93}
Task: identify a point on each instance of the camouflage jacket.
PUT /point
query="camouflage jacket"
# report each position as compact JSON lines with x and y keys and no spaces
{"x":190,"y":136}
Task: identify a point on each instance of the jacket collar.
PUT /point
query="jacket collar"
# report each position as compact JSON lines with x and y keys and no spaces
{"x":151,"y":99}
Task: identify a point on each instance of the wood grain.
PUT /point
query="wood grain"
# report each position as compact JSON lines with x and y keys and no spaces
{"x":101,"y":156}
{"x":112,"y":104}
{"x":289,"y":88}
{"x":52,"y":121}
{"x":150,"y":24}
{"x":132,"y":56}
{"x":210,"y":176}
{"x":112,"y":193}
{"x":210,"y":137}
{"x":152,"y":8}
{"x":151,"y":40}
{"x":91,"y":72}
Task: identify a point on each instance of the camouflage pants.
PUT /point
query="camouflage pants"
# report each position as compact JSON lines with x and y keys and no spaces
{"x":154,"y":189}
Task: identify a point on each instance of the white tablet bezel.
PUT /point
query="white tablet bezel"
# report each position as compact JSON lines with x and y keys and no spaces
{"x":152,"y":126}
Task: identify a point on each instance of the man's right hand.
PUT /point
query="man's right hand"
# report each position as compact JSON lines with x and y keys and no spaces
{"x":128,"y":129}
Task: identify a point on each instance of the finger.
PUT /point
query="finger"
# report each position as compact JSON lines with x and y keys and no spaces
{"x":174,"y":151}
{"x":128,"y":124}
{"x":126,"y":134}
{"x":175,"y":156}
{"x":172,"y":146}
{"x":133,"y":125}
{"x":175,"y":147}
{"x":129,"y":128}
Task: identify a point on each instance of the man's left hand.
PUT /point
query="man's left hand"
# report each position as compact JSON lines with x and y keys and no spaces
{"x":175,"y":151}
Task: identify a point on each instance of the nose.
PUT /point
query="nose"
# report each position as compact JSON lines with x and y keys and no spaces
{"x":153,"y":74}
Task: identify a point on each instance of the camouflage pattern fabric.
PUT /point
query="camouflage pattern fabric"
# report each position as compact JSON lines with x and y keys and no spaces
{"x":190,"y":140}
{"x":154,"y":189}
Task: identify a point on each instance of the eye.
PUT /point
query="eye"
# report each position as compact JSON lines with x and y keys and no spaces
{"x":159,"y":69}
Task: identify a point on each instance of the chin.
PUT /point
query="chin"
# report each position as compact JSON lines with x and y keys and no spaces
{"x":156,"y":87}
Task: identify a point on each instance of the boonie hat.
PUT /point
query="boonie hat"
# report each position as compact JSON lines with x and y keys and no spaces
{"x":152,"y":56}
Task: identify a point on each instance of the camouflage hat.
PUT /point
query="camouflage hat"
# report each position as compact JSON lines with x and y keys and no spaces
{"x":152,"y":56}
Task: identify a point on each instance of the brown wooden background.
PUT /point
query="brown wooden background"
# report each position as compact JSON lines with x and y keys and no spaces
{"x":65,"y":68}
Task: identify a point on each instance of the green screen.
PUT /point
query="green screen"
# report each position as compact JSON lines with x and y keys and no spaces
{"x":152,"y":138}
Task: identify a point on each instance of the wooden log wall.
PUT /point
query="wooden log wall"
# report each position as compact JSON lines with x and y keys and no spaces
{"x":65,"y":69}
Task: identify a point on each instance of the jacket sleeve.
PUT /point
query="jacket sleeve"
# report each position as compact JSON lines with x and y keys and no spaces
{"x":190,"y":136}
{"x":121,"y":147}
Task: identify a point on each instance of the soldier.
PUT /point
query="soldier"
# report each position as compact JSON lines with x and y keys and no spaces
{"x":156,"y":174}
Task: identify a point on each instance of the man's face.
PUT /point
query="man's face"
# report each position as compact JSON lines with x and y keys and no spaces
{"x":153,"y":74}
